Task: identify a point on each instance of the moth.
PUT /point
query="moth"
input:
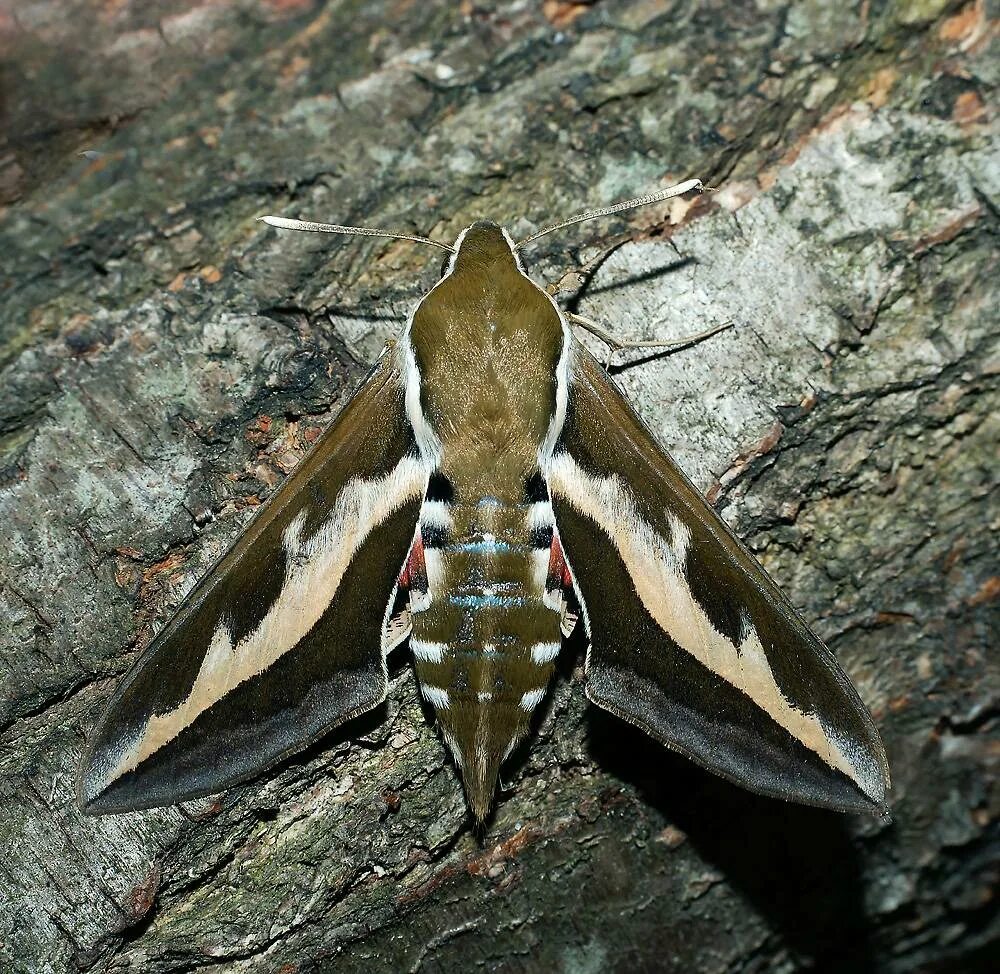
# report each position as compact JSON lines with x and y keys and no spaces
{"x":487,"y":489}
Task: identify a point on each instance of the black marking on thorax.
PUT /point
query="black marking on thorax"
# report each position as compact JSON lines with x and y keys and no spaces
{"x":439,"y":488}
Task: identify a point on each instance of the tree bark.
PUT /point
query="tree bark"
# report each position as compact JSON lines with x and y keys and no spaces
{"x":166,"y":360}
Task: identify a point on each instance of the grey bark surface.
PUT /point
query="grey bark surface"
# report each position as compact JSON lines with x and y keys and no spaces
{"x":165,"y":360}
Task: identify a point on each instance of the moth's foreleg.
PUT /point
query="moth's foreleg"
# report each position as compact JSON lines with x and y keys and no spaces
{"x":623,"y":344}
{"x":577,"y":278}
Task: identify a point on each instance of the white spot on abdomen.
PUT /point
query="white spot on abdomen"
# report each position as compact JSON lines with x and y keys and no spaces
{"x":437,"y":696}
{"x":427,"y":652}
{"x":435,"y":514}
{"x":539,"y":516}
{"x":544,"y":652}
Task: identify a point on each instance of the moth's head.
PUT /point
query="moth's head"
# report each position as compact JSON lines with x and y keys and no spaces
{"x":482,"y":244}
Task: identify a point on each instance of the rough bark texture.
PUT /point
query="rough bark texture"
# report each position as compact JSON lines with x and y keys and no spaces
{"x":165,"y":360}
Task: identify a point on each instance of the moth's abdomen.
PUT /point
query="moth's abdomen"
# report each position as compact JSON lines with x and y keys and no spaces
{"x":486,"y":632}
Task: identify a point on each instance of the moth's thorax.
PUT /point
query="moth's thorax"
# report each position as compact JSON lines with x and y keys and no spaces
{"x":486,"y":344}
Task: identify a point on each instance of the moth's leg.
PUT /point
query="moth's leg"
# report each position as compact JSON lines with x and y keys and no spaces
{"x":578,"y":277}
{"x":619,"y":344}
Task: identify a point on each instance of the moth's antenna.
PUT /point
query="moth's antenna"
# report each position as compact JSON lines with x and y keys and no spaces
{"x":671,"y":191}
{"x":283,"y":224}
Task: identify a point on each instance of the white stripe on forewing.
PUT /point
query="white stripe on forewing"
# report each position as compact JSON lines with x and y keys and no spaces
{"x":315,"y":569}
{"x":657,"y":569}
